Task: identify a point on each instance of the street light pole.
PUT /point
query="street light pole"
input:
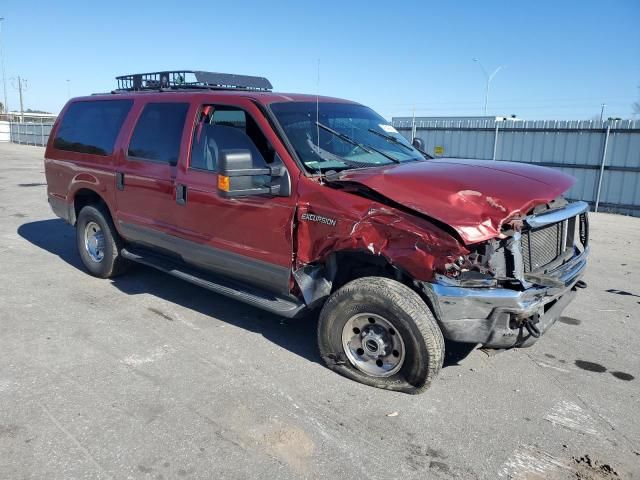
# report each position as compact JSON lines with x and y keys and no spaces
{"x":68,"y":89}
{"x":4,"y":78}
{"x":602,"y":107}
{"x":21,"y":105}
{"x":488,"y":78}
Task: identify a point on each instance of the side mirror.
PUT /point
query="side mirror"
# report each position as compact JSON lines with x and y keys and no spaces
{"x":239,"y":177}
{"x":418,"y":144}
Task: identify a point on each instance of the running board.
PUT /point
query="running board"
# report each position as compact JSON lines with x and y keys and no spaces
{"x":286,"y":307}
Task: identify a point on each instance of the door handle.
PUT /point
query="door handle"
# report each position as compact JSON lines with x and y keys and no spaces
{"x":181,"y":194}
{"x":120,"y":180}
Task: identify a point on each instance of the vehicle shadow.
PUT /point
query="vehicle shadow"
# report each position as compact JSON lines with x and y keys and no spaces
{"x":455,"y":352}
{"x":298,"y":336}
{"x":55,"y":236}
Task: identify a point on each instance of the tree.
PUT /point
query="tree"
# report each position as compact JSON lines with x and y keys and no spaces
{"x":635,"y":107}
{"x":1,"y":107}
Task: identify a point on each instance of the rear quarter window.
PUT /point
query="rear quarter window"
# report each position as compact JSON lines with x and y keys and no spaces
{"x":92,"y":126}
{"x":158,"y":133}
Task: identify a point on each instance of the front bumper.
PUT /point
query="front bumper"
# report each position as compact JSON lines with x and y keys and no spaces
{"x":494,"y":316}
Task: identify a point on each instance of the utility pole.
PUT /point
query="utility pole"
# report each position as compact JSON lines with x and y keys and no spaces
{"x":4,"y":78}
{"x":21,"y":86}
{"x":602,"y":111}
{"x":21,"y":104}
{"x":488,"y":79}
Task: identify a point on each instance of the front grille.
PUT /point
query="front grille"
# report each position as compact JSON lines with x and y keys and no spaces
{"x":584,"y":229}
{"x":542,"y":246}
{"x":547,"y":247}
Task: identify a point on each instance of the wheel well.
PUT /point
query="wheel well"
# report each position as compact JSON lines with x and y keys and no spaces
{"x":84,"y":197}
{"x":349,"y":266}
{"x":352,"y":265}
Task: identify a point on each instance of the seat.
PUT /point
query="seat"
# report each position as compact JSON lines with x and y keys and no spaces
{"x":215,"y":138}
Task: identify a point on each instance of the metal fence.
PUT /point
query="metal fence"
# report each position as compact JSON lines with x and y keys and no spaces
{"x":603,"y":156}
{"x":30,"y":133}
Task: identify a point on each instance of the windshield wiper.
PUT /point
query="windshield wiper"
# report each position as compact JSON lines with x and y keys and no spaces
{"x":348,"y":139}
{"x":391,"y":139}
{"x":342,"y":136}
{"x":330,"y":157}
{"x":398,"y":142}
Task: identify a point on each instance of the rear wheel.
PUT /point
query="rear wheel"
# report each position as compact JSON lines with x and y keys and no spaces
{"x":98,"y":242}
{"x":379,"y":332}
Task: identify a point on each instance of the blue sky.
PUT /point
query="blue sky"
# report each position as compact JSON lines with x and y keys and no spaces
{"x":563,"y":58}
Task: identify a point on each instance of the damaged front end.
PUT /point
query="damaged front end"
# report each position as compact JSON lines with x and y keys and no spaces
{"x":502,"y":290}
{"x":508,"y":291}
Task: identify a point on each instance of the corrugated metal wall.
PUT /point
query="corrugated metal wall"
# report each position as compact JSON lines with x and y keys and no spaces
{"x":575,"y":147}
{"x":30,"y":133}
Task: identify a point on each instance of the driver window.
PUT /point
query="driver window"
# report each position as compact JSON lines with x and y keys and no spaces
{"x":221,"y":127}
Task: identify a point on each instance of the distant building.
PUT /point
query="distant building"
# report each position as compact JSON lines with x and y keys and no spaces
{"x":30,"y":117}
{"x":405,"y":120}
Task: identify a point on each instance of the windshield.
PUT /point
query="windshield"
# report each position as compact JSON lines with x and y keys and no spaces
{"x":339,"y":136}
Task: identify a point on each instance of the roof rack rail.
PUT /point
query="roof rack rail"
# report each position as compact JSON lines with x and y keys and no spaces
{"x":190,"y":79}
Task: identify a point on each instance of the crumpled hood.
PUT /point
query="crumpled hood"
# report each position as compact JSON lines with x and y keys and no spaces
{"x":475,"y":197}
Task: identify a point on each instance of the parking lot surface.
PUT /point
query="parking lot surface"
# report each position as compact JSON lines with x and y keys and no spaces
{"x":145,"y":376}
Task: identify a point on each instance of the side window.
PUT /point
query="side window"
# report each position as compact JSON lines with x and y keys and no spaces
{"x":220,"y":127}
{"x":231,"y":117}
{"x":92,"y":126}
{"x":158,"y":133}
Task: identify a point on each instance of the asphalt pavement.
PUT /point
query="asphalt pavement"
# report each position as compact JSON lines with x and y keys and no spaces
{"x":145,"y":376}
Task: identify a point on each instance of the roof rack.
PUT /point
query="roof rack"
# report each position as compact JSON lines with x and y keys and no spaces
{"x":190,"y":79}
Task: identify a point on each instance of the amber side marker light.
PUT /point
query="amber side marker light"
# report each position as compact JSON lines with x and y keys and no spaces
{"x":223,"y":183}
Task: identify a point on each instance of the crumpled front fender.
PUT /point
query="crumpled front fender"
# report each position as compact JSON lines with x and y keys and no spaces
{"x":326,"y":224}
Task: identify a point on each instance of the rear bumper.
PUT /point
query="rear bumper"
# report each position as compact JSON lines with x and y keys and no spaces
{"x":491,"y":316}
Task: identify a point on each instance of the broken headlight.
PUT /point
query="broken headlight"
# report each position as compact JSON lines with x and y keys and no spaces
{"x":471,"y":270}
{"x":487,"y":264}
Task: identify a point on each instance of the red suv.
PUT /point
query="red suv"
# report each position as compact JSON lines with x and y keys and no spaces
{"x":293,"y":203}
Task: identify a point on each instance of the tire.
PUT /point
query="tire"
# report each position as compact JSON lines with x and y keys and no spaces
{"x":105,"y":261}
{"x":403,"y":313}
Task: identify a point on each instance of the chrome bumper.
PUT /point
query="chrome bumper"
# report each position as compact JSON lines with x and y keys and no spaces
{"x":489,"y":315}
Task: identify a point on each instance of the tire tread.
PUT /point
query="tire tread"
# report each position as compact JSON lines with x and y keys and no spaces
{"x":408,"y":301}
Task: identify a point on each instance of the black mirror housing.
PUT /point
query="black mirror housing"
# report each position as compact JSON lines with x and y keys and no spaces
{"x":234,"y":163}
{"x":239,"y":177}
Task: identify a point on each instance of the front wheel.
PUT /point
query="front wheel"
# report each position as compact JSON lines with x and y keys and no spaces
{"x":379,"y":332}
